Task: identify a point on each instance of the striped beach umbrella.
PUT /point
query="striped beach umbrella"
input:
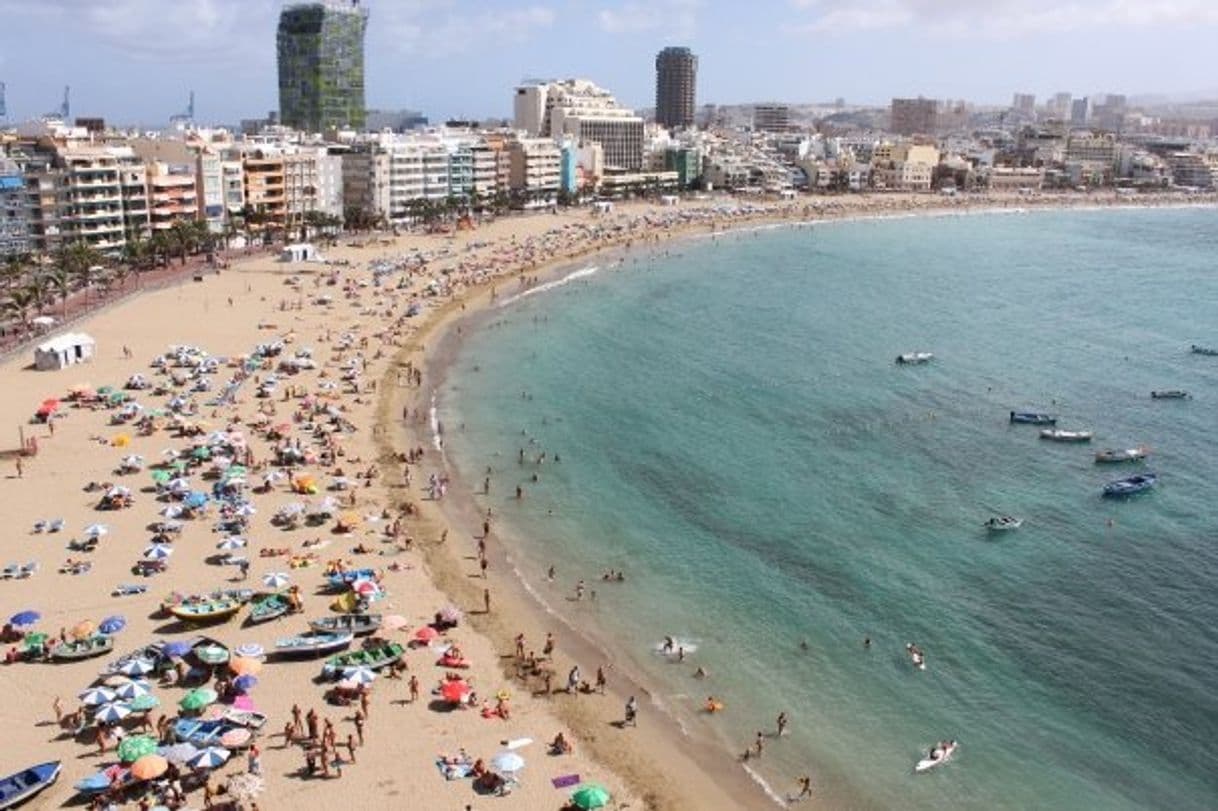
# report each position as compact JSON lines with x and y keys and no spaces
{"x":359,"y":675}
{"x":210,"y":758}
{"x":96,"y":696}
{"x":158,"y":551}
{"x":250,"y":650}
{"x":111,"y":713}
{"x":132,"y":689}
{"x":136,"y":667}
{"x":276,"y":580}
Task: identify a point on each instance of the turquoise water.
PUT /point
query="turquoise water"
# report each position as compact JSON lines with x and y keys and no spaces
{"x":734,"y":434}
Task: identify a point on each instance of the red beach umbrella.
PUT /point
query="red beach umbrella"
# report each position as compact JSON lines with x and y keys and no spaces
{"x":455,"y":692}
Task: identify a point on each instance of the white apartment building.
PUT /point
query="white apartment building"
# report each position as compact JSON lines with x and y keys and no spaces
{"x":106,"y":196}
{"x":536,"y":166}
{"x":172,"y":194}
{"x":580,"y":109}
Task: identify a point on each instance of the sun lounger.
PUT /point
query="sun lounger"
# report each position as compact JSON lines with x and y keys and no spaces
{"x":56,"y":525}
{"x":27,"y":570}
{"x":39,"y":526}
{"x":10,"y":571}
{"x":127,"y":589}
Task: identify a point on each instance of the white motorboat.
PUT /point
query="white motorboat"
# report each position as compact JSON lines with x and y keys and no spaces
{"x":1003,"y":523}
{"x":1058,"y":435}
{"x":915,"y":357}
{"x":937,"y":756}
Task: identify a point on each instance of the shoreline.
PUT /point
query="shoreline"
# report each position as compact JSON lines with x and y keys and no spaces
{"x":440,"y":342}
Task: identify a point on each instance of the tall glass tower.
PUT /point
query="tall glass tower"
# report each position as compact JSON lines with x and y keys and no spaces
{"x":321,"y":64}
{"x":676,"y":85}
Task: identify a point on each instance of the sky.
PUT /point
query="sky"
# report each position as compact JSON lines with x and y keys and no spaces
{"x":135,"y":61}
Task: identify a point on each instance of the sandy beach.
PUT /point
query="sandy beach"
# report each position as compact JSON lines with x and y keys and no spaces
{"x":357,"y":414}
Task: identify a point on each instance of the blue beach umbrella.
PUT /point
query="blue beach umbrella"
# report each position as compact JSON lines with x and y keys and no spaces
{"x":176,"y":648}
{"x":194,"y":500}
{"x":245,"y":683}
{"x":136,"y":667}
{"x":507,"y":762}
{"x":112,"y":625}
{"x":24,"y":619}
{"x":209,"y":758}
{"x":96,"y":696}
{"x":132,"y":689}
{"x":158,"y":551}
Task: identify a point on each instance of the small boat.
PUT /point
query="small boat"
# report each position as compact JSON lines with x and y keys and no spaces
{"x":249,"y":719}
{"x":340,"y":580}
{"x":115,"y":777}
{"x":915,"y":357}
{"x":1204,"y":350}
{"x":1033,"y":418}
{"x":74,"y":649}
{"x":176,"y":598}
{"x":1003,"y":523}
{"x":152,"y":654}
{"x":313,"y":643}
{"x":271,"y":607}
{"x":1169,"y":394}
{"x":1058,"y":435}
{"x":203,"y":733}
{"x":1131,"y":485}
{"x":373,"y":658}
{"x":937,"y":756}
{"x":358,"y":624}
{"x":206,"y":611}
{"x":1110,"y":456}
{"x":17,"y":788}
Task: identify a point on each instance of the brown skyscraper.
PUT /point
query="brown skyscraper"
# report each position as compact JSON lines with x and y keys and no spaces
{"x":676,"y":84}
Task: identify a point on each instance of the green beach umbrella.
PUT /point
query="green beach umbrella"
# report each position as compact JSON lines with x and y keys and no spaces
{"x":590,"y":796}
{"x":144,"y":703}
{"x":201,"y":452}
{"x":198,"y":699}
{"x":212,"y":655}
{"x":105,"y":391}
{"x":35,"y":641}
{"x":133,"y":748}
{"x":161,"y":476}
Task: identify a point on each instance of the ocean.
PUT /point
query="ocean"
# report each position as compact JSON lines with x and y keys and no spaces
{"x":723,"y":421}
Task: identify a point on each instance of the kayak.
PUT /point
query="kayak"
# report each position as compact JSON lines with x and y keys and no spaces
{"x":927,"y":763}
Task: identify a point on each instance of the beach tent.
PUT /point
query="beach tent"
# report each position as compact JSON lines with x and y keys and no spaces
{"x":64,"y":350}
{"x":299,"y":252}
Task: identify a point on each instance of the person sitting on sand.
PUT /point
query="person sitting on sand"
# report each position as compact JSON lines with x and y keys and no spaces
{"x":560,"y":745}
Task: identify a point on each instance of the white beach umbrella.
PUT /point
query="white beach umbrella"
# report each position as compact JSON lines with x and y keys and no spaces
{"x":250,"y":650}
{"x":179,"y":753}
{"x":231,"y":543}
{"x":132,"y":689}
{"x":210,"y":758}
{"x":111,"y":713}
{"x":276,"y":580}
{"x":359,"y":675}
{"x":246,"y":510}
{"x":96,"y":530}
{"x":136,"y":667}
{"x":96,"y":696}
{"x":172,"y":511}
{"x":158,"y":551}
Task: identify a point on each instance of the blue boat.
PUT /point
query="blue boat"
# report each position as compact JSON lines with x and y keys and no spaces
{"x":17,"y":788}
{"x":113,"y":777}
{"x":1033,"y":418}
{"x":202,"y":733}
{"x":1131,"y":485}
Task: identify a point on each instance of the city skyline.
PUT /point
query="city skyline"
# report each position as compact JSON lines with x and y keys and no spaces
{"x":470,"y":55}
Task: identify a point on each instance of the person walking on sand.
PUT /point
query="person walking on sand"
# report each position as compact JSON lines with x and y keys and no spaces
{"x":782,"y":724}
{"x":486,"y":601}
{"x":548,"y":649}
{"x":805,"y":788}
{"x":601,"y":681}
{"x":414,"y":688}
{"x":358,"y":720}
{"x":632,"y":712}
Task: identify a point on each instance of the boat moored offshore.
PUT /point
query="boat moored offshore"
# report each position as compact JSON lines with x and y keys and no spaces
{"x":1033,"y":418}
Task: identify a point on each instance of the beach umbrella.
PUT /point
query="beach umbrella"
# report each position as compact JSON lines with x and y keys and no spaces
{"x":244,"y":703}
{"x":158,"y":551}
{"x":590,"y":796}
{"x":244,"y":665}
{"x":454,"y":691}
{"x":235,"y":737}
{"x":111,"y":713}
{"x":132,"y":689}
{"x":245,"y":683}
{"x":178,"y":753}
{"x":201,"y":452}
{"x":195,"y":500}
{"x":24,"y":619}
{"x":172,"y":511}
{"x":96,"y":530}
{"x":276,"y":580}
{"x":198,"y":699}
{"x":426,"y":634}
{"x":96,"y":696}
{"x":365,"y":588}
{"x":149,"y":766}
{"x":112,"y":625}
{"x":507,"y":762}
{"x":176,"y":648}
{"x":210,"y":758}
{"x":359,"y":675}
{"x":120,"y":441}
{"x":35,"y":641}
{"x":212,"y":654}
{"x":84,"y":629}
{"x":246,"y":510}
{"x":133,"y":748}
{"x":161,"y":476}
{"x":144,"y":703}
{"x":136,"y":667}
{"x":450,"y":613}
{"x":179,"y":485}
{"x":395,"y":622}
{"x":249,"y":650}
{"x":231,"y":543}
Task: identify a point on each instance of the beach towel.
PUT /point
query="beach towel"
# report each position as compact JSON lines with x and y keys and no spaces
{"x":566,"y":781}
{"x":454,"y":771}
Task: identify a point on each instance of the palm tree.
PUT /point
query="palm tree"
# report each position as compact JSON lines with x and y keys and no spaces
{"x":182,"y":239}
{"x":59,"y":281}
{"x":21,"y":302}
{"x":160,"y":248}
{"x":14,"y":269}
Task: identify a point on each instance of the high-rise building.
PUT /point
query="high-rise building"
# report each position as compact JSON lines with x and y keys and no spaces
{"x":676,"y":87}
{"x":1025,"y":104}
{"x":1060,"y":106}
{"x":914,"y":116}
{"x":321,"y":65}
{"x":14,"y":229}
{"x":585,"y":112}
{"x":771,"y":118}
{"x":1080,"y":111}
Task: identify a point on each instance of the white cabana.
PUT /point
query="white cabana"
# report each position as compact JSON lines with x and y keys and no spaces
{"x":300,"y":252}
{"x":64,"y":350}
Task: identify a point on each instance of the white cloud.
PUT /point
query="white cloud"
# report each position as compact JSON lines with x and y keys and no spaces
{"x":680,"y":17}
{"x":997,"y":18}
{"x":436,"y":28}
